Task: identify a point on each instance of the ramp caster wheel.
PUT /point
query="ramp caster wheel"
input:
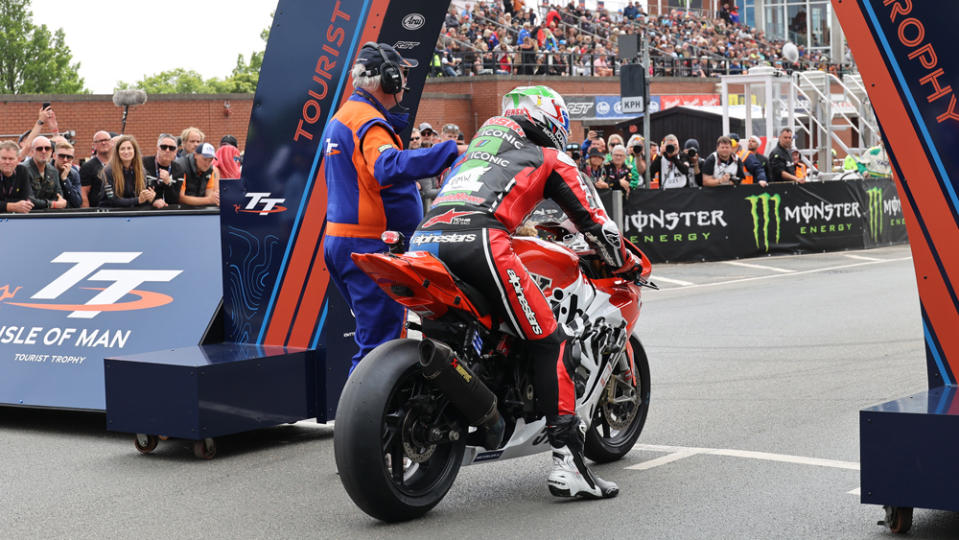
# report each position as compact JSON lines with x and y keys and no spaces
{"x":204,"y":448}
{"x":898,"y":519}
{"x":145,"y":443}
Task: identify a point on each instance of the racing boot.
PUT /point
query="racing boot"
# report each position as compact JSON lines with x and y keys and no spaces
{"x":570,"y":476}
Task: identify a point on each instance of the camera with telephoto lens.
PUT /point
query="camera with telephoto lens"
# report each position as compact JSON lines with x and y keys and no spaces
{"x":670,"y":149}
{"x":691,"y":153}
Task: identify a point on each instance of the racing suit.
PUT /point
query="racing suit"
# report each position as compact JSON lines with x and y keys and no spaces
{"x":487,"y":194}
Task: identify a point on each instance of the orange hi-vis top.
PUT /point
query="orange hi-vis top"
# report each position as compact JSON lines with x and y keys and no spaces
{"x":748,"y":179}
{"x":370,"y":179}
{"x":355,"y":161}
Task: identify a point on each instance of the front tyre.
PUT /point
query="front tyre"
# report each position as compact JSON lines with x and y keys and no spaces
{"x":397,"y":441}
{"x":621,"y":412}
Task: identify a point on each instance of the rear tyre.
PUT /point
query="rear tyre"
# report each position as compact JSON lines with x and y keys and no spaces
{"x":397,"y":442}
{"x":621,"y":412}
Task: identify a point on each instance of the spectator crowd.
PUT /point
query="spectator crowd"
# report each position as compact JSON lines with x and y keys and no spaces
{"x":493,"y":37}
{"x":39,"y":172}
{"x":485,"y":37}
{"x":609,"y":164}
{"x":43,"y":172}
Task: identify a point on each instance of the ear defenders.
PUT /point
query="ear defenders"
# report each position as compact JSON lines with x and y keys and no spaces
{"x":391,"y":78}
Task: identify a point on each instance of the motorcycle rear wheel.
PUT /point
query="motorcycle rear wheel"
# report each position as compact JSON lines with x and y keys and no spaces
{"x":385,"y":413}
{"x":621,"y":413}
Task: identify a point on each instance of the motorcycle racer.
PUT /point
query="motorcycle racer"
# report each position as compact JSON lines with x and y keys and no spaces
{"x":515,"y":161}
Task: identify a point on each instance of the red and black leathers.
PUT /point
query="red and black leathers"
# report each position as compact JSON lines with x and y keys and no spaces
{"x":487,"y":194}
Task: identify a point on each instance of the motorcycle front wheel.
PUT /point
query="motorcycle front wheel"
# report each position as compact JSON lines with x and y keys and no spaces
{"x":621,"y":413}
{"x":397,"y":441}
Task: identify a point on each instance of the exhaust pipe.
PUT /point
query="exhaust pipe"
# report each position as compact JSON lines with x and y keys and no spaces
{"x":465,"y":391}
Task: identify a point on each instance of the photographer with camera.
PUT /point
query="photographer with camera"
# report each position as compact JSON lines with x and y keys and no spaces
{"x":636,"y":160}
{"x":668,"y":168}
{"x":723,"y":167}
{"x":691,"y":155}
{"x":574,"y":153}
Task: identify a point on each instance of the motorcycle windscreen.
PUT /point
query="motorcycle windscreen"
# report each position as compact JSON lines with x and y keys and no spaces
{"x":549,"y":211}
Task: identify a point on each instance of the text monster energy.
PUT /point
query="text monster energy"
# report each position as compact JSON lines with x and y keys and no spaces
{"x":763,"y":199}
{"x":874,"y":206}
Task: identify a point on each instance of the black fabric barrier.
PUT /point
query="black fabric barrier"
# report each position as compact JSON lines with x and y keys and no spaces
{"x":748,"y":221}
{"x":707,"y":224}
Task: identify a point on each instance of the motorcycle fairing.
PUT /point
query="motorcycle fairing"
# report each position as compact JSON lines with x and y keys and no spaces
{"x":422,"y":283}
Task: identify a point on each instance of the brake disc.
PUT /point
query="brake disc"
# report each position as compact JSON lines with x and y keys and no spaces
{"x":619,"y":410}
{"x":417,"y":450}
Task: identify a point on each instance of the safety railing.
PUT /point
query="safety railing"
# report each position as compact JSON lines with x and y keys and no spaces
{"x":520,"y":62}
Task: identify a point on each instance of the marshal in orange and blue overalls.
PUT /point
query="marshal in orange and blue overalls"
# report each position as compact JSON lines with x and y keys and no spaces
{"x":371,"y":188}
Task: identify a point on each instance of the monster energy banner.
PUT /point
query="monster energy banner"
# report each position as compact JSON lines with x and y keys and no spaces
{"x":748,"y":221}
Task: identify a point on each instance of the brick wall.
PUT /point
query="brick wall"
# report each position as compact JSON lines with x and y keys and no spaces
{"x":87,"y":114}
{"x":465,"y":101}
{"x":480,"y":96}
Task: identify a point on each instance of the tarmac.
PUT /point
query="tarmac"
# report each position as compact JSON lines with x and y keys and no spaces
{"x":759,"y":369}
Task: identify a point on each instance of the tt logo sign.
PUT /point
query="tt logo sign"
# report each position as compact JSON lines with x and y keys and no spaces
{"x":86,"y":265}
{"x":261,"y":203}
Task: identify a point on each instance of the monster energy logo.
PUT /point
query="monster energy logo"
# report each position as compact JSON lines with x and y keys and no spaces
{"x":874,"y":201}
{"x":763,"y":199}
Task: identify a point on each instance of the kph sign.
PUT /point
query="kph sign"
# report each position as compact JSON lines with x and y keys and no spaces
{"x":633,"y":104}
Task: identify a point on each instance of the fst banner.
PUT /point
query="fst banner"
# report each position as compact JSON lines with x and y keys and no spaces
{"x":746,"y":221}
{"x":603,"y":107}
{"x":76,"y":290}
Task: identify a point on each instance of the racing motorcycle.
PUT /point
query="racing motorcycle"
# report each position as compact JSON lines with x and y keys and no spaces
{"x":413,"y":412}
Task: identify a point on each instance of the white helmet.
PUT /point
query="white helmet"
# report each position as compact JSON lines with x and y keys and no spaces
{"x":544,"y":109}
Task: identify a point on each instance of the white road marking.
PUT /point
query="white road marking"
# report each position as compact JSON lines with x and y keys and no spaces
{"x":857,"y":491}
{"x":861,"y":258}
{"x":770,"y":276}
{"x":759,"y":267}
{"x":312,"y":423}
{"x":675,"y":453}
{"x":668,"y":458}
{"x":674,"y":281}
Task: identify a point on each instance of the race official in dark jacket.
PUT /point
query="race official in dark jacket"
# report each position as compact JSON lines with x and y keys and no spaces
{"x":781,"y":166}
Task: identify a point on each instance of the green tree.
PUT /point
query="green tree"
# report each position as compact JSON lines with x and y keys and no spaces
{"x":174,"y":81}
{"x":32,"y":59}
{"x":242,"y":79}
